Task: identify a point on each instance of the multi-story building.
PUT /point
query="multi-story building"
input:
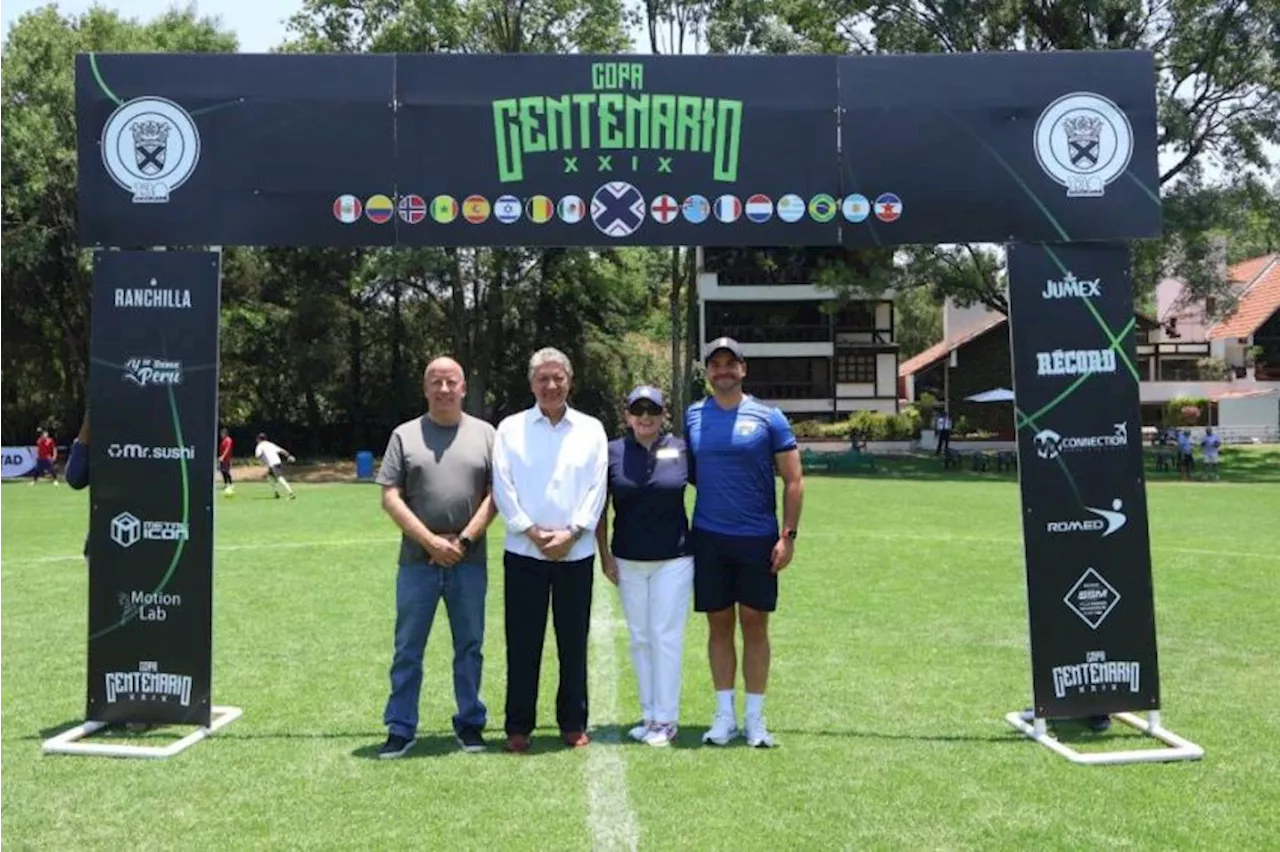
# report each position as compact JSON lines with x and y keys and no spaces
{"x":1233,"y":363}
{"x":807,"y":353}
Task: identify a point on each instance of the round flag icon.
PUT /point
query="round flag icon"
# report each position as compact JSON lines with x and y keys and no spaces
{"x":888,"y":207}
{"x":728,"y":209}
{"x":347,"y":209}
{"x":695,"y":209}
{"x":791,"y":207}
{"x":475,"y":209}
{"x":618,"y":209}
{"x":412,"y":209}
{"x":540,"y":209}
{"x":856,"y":207}
{"x":379,"y":209}
{"x":507,"y":209}
{"x":759,"y":208}
{"x":664,"y":209}
{"x":444,"y":209}
{"x":822,"y":207}
{"x":571,"y":209}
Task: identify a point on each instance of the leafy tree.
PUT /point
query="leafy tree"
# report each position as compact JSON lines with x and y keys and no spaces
{"x":46,"y":277}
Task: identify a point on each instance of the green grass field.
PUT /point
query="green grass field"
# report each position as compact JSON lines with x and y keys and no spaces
{"x":899,"y":646}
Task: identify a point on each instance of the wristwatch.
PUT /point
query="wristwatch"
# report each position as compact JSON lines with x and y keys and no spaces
{"x":465,"y":542}
{"x":575,"y":532}
{"x":790,"y":533}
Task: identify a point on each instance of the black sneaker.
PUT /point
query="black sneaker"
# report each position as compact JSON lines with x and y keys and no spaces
{"x":470,"y":740}
{"x":396,"y":746}
{"x":1098,"y":724}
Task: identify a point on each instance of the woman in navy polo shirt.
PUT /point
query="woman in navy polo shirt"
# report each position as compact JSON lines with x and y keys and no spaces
{"x":650,"y":560}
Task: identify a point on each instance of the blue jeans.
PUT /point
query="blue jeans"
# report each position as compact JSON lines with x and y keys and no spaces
{"x":419,"y":588}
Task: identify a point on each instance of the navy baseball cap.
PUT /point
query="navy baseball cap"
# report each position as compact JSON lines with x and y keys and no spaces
{"x":648,"y":392}
{"x":728,"y":344}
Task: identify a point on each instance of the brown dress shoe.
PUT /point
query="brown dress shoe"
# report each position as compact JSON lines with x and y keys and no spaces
{"x":576,"y":739}
{"x":518,"y":744}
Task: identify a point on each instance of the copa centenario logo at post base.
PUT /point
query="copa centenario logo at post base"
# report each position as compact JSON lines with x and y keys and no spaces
{"x":626,"y":128}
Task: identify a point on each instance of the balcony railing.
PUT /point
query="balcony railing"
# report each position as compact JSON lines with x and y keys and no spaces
{"x":787,"y":390}
{"x":791,"y":333}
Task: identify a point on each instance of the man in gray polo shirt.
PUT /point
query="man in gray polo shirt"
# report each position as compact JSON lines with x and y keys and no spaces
{"x":436,"y":476}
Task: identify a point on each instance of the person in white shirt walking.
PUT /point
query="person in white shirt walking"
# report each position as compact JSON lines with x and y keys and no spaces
{"x":270,"y":455}
{"x":549,"y":473}
{"x":1210,"y":445}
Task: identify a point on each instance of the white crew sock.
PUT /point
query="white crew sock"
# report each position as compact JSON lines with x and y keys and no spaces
{"x":755,"y":706}
{"x":724,"y":702}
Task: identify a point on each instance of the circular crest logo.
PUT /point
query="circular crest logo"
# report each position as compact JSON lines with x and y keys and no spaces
{"x":1084,"y":142}
{"x":150,"y":146}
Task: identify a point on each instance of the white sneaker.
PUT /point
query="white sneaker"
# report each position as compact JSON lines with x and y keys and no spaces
{"x":724,"y":728}
{"x":661,"y":735}
{"x":639,"y":732}
{"x":758,"y":735}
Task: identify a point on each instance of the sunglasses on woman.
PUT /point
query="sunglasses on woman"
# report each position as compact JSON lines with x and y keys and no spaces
{"x":643,"y":408}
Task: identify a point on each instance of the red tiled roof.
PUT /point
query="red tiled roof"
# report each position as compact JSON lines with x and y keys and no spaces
{"x":940,"y":350}
{"x":1258,"y":302}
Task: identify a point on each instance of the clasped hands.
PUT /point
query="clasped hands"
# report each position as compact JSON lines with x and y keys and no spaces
{"x":553,"y":544}
{"x":445,"y":551}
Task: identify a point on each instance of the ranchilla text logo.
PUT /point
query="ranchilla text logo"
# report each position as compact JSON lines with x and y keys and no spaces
{"x":1097,"y":674}
{"x":617,"y":116}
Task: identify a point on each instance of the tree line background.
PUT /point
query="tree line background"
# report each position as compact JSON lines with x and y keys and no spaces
{"x":324,"y":348}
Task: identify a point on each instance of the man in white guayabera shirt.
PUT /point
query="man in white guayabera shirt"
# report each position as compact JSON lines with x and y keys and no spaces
{"x":549,"y":471}
{"x":269,"y":454}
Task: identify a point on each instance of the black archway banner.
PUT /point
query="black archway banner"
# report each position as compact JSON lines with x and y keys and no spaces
{"x":1084,"y":505}
{"x":153,"y":395}
{"x":299,"y":150}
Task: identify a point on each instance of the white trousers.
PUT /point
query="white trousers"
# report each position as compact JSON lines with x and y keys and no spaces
{"x":655,"y":598}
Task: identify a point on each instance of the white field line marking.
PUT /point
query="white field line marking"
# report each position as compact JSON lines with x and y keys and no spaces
{"x":815,"y":534}
{"x":611,"y":822}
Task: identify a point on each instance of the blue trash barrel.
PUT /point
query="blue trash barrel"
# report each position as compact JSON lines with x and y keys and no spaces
{"x":364,"y":465}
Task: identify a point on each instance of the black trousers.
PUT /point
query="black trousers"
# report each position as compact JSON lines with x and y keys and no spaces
{"x":529,"y":585}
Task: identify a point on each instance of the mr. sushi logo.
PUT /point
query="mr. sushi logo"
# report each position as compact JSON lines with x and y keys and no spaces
{"x":150,"y":146}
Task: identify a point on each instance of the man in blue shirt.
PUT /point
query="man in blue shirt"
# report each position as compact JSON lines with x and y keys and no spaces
{"x":735,"y":444}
